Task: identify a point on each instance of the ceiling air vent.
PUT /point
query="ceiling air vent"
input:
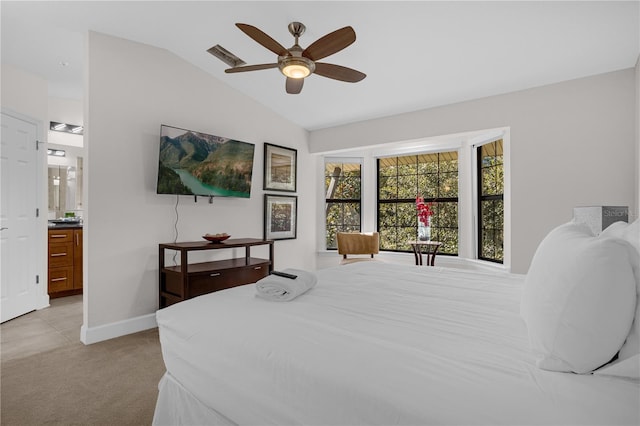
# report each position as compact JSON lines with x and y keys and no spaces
{"x":225,"y":56}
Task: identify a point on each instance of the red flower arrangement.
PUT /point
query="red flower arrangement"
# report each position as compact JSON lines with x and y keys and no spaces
{"x":424,"y":210}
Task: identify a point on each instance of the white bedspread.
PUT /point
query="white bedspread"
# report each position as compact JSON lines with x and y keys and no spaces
{"x":380,"y":344}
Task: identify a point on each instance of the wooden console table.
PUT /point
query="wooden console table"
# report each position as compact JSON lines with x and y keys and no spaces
{"x":431,"y":250}
{"x":184,"y":281}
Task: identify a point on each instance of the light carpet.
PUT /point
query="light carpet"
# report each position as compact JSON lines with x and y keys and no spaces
{"x":107,"y":383}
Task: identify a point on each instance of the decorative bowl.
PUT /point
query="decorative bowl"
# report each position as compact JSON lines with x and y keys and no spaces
{"x":215,"y":238}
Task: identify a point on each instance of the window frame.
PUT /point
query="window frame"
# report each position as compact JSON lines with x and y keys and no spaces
{"x":464,"y":144}
{"x":435,"y":199}
{"x":493,"y":197}
{"x":359,"y":201}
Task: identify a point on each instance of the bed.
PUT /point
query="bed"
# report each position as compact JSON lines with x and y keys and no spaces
{"x":373,"y":343}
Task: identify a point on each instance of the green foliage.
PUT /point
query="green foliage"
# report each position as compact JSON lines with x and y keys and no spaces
{"x":343,"y":189}
{"x":171,"y":152}
{"x":400,"y":181}
{"x":169,"y":182}
{"x":492,"y":222}
{"x":388,"y":187}
{"x":229,"y":167}
{"x":491,"y":202}
{"x":492,"y":177}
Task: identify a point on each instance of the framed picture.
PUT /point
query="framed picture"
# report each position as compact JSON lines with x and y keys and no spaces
{"x":280,"y":217}
{"x":280,"y":168}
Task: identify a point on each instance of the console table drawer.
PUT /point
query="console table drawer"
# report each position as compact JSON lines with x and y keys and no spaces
{"x":209,"y":282}
{"x":184,"y":280}
{"x":200,"y":284}
{"x":251,"y":274}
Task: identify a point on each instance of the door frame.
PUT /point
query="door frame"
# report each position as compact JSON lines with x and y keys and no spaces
{"x":40,"y":249}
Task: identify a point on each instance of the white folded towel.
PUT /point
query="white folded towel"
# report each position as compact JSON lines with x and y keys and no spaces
{"x":281,"y":289}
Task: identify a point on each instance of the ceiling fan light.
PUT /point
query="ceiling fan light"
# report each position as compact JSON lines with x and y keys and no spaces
{"x":296,"y":71}
{"x":296,"y":67}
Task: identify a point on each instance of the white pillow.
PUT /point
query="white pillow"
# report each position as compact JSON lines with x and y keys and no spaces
{"x":628,"y":362}
{"x":625,"y":231}
{"x":578,"y":299}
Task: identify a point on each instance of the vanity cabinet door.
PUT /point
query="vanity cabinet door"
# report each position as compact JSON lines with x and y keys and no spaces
{"x":65,"y":262}
{"x":57,"y":236}
{"x":60,"y":254}
{"x":77,"y":258}
{"x":60,"y":279}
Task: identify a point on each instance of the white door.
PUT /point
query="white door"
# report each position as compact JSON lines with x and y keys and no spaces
{"x":18,"y":204}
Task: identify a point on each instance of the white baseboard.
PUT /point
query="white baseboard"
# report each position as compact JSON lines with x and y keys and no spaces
{"x":42,"y":302}
{"x":89,"y":335}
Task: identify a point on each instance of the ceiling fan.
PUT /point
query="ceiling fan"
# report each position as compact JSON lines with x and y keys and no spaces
{"x":297,"y":63}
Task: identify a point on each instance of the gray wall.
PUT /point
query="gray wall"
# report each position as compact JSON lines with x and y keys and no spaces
{"x":572,"y":144}
{"x":132,"y":90}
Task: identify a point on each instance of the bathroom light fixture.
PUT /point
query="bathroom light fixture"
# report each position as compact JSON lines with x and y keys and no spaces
{"x":56,"y":152}
{"x":66,"y":128}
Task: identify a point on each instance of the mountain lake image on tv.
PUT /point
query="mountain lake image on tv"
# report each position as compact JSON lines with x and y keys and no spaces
{"x":193,"y":163}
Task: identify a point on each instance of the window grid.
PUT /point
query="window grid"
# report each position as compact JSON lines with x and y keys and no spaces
{"x":400,"y":181}
{"x":343,"y":183}
{"x":491,"y":201}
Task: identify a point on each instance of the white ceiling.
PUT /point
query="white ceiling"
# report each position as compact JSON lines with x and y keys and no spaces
{"x":416,"y":54}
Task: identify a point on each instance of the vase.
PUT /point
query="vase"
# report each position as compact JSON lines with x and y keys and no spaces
{"x":424,"y":231}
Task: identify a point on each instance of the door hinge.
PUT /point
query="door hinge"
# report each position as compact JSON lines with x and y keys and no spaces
{"x":37,"y":279}
{"x":38,"y":144}
{"x":37,"y":212}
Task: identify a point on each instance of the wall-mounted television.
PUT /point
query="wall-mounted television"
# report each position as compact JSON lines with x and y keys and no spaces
{"x":195,"y":163}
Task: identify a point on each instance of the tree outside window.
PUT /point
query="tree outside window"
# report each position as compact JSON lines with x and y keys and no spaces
{"x":491,"y":201}
{"x":343,"y":183}
{"x":401,"y":179}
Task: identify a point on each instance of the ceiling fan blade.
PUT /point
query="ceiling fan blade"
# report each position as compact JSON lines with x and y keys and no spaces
{"x":338,"y":72}
{"x":250,"y":68}
{"x":294,"y":85}
{"x":264,"y":39}
{"x":330,"y":44}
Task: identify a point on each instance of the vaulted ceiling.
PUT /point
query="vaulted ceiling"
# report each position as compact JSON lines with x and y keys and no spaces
{"x":416,"y":54}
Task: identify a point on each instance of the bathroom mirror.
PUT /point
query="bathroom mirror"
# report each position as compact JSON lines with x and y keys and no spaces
{"x":65,"y":189}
